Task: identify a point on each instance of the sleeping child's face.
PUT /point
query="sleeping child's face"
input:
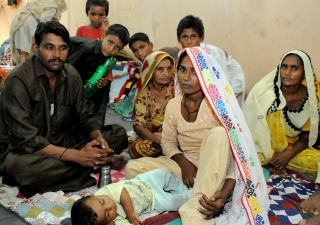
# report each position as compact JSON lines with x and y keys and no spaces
{"x":104,"y":206}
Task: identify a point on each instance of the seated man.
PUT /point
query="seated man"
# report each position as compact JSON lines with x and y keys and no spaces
{"x":50,"y":139}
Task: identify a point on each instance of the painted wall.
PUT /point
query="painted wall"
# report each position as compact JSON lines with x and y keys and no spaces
{"x":255,"y":32}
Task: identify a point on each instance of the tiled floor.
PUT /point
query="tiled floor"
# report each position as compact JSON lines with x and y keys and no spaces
{"x":9,"y":218}
{"x":113,"y":118}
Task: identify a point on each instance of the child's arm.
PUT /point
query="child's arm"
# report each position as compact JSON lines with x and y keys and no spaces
{"x":125,"y":201}
{"x":105,"y":23}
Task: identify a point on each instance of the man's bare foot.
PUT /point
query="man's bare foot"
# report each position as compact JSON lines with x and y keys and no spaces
{"x":315,"y":220}
{"x":118,"y":162}
{"x":312,"y":204}
{"x":282,"y":172}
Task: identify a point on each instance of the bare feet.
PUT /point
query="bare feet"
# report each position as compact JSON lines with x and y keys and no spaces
{"x":315,"y":220}
{"x":118,"y":162}
{"x":281,"y":172}
{"x":312,"y":204}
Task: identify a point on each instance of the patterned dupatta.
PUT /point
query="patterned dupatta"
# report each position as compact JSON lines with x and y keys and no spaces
{"x":147,"y":69}
{"x":250,"y":200}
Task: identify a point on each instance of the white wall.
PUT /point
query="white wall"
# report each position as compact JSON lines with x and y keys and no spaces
{"x":255,"y":32}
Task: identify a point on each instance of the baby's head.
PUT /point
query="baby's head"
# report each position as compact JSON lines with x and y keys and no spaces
{"x":94,"y":210}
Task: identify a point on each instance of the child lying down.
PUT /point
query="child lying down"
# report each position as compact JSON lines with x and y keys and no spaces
{"x":123,"y":202}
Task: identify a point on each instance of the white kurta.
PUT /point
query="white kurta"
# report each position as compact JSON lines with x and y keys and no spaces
{"x":232,"y":70}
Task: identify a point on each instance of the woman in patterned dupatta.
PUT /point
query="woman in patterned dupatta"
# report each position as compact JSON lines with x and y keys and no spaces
{"x":282,"y":114}
{"x":204,"y":134}
{"x":154,"y":90}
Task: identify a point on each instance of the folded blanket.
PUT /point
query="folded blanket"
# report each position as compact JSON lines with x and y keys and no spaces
{"x":49,"y":207}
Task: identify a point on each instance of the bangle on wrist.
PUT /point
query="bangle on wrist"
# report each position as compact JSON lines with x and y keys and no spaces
{"x":63,"y":153}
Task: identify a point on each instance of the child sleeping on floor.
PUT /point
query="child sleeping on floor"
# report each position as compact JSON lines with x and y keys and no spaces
{"x":124,"y":201}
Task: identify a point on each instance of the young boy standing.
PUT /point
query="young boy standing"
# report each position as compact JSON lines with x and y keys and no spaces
{"x":97,"y":12}
{"x":190,"y":33}
{"x":140,"y":46}
{"x":86,"y":55}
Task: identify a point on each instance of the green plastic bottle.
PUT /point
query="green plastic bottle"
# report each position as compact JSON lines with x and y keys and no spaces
{"x":90,"y":87}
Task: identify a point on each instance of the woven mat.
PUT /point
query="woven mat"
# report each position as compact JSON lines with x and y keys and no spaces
{"x":285,"y":197}
{"x":46,"y":208}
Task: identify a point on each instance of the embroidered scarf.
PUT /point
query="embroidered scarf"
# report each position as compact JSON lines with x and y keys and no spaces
{"x":250,"y":199}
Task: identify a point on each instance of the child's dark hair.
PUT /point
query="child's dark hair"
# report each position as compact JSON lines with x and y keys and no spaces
{"x":120,"y":31}
{"x":103,"y":3}
{"x":81,"y":214}
{"x":51,"y":27}
{"x":138,"y":37}
{"x":173,"y":51}
{"x":193,"y":22}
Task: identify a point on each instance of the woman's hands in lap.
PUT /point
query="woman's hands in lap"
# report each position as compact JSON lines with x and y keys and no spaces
{"x":211,"y":206}
{"x":188,"y":173}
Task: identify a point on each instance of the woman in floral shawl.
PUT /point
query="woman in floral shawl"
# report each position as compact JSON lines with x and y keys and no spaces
{"x":204,"y":134}
{"x":282,"y":113}
{"x":154,"y":90}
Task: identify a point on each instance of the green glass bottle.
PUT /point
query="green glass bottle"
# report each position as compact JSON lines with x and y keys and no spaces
{"x":90,"y":87}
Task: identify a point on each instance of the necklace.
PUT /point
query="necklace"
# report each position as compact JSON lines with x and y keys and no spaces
{"x":195,"y":111}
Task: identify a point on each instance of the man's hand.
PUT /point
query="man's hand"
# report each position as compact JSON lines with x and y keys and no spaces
{"x":211,"y":206}
{"x":94,"y":156}
{"x":102,"y":82}
{"x":103,"y":143}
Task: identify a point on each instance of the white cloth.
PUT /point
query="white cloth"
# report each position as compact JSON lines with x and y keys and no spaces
{"x":169,"y":191}
{"x":232,"y":70}
{"x":25,"y":22}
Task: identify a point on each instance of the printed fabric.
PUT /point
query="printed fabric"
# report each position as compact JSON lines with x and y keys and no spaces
{"x":275,"y":128}
{"x":148,"y":111}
